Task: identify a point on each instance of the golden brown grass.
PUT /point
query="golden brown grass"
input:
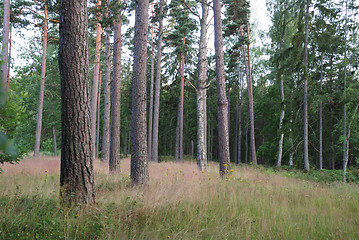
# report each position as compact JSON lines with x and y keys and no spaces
{"x":182,"y":203}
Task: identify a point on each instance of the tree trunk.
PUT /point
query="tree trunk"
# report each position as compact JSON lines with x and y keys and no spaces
{"x":150,"y":117}
{"x":105,"y":151}
{"x":321,"y":119}
{"x":96,"y":76}
{"x":250,"y":99}
{"x":98,"y":116}
{"x":177,"y":143}
{"x":305,"y":62}
{"x":5,"y":47}
{"x":76,"y":175}
{"x":241,"y":74}
{"x":202,"y":92}
{"x":139,"y":160}
{"x":42,"y":89}
{"x":156,"y":109}
{"x":181,"y":106}
{"x":55,"y":142}
{"x":223,"y":138}
{"x":115,"y":158}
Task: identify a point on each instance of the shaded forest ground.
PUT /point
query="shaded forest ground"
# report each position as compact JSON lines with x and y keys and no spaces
{"x":179,"y":203}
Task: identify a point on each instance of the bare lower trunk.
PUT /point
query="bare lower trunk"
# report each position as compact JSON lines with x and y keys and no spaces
{"x":202,"y":92}
{"x":55,"y":142}
{"x":96,"y":76}
{"x":105,"y":151}
{"x":223,"y":138}
{"x":5,"y":46}
{"x":177,"y":143}
{"x":139,"y":158}
{"x":42,"y":89}
{"x":181,"y":108}
{"x":321,"y":120}
{"x":305,"y":62}
{"x":115,"y":158}
{"x":76,"y":174}
{"x":156,"y":108}
{"x":150,"y":109}
{"x":98,"y":117}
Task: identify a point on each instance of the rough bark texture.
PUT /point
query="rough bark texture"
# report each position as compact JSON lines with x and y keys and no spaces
{"x":42,"y":89}
{"x":150,"y":109}
{"x":114,"y":163}
{"x":321,"y":119}
{"x":96,"y":76}
{"x":250,"y":99}
{"x":156,"y":108}
{"x":139,"y":160}
{"x":305,"y":62}
{"x":76,"y":175}
{"x":202,"y":92}
{"x":98,"y":116}
{"x":5,"y":46}
{"x":105,"y":151}
{"x":223,"y":137}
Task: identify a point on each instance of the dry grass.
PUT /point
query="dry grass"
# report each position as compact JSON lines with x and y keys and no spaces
{"x":182,"y":203}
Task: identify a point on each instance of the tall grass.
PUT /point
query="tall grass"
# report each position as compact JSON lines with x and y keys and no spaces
{"x":179,"y":203}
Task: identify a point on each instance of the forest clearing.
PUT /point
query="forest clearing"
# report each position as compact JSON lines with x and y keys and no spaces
{"x":179,"y":203}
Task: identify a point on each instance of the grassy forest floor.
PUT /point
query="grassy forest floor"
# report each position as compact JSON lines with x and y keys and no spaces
{"x":179,"y":203}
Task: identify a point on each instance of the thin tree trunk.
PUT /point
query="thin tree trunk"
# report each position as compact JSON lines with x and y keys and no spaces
{"x":105,"y":151}
{"x":156,"y":108}
{"x":139,"y":158}
{"x":5,"y":46}
{"x":150,"y":117}
{"x":282,"y":113}
{"x":321,"y":119}
{"x":181,"y":105}
{"x":177,"y":143}
{"x":55,"y":142}
{"x":115,"y":158}
{"x":96,"y":76}
{"x":305,"y":62}
{"x":250,"y":99}
{"x":239,"y":121}
{"x":223,"y":138}
{"x":202,"y":92}
{"x":42,"y":89}
{"x":76,"y":174}
{"x":98,"y":116}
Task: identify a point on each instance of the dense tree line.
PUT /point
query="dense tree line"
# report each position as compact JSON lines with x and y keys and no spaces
{"x":290,"y":102}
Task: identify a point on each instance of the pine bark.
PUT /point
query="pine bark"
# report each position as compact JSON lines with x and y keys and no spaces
{"x":202,"y":92}
{"x":76,"y":174}
{"x":321,"y":119}
{"x":5,"y":47}
{"x":181,"y":105}
{"x":96,"y":76}
{"x":305,"y":62}
{"x":98,"y":116}
{"x":42,"y":89}
{"x":105,"y":151}
{"x":156,"y":108}
{"x":150,"y":109}
{"x":115,"y":158}
{"x":139,"y":160}
{"x":223,"y":137}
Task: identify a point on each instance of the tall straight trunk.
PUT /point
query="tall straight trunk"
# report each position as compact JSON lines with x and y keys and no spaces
{"x":177,"y":143}
{"x":139,"y":160}
{"x":181,"y":105}
{"x":76,"y":172}
{"x":202,"y":92}
{"x":282,"y":113}
{"x":250,"y":100}
{"x":223,"y":138}
{"x":150,"y":109}
{"x":321,"y":118}
{"x":305,"y":62}
{"x":96,"y":76}
{"x":115,"y":158}
{"x":42,"y":89}
{"x":156,"y":108}
{"x":105,"y":151}
{"x":5,"y":46}
{"x":239,"y":109}
{"x":98,"y":117}
{"x":55,"y":142}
